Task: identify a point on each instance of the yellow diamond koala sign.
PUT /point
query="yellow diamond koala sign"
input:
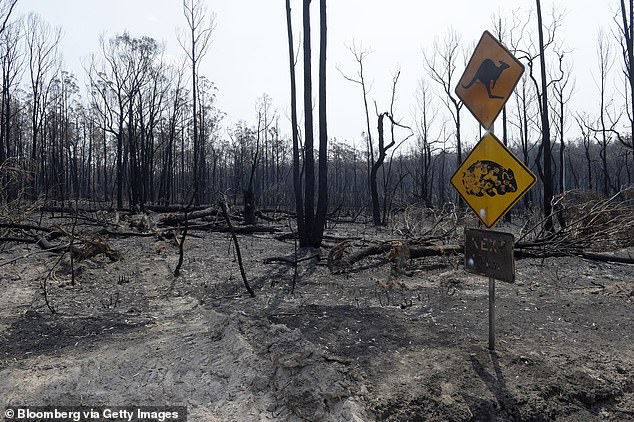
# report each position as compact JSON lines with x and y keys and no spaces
{"x":491,"y":180}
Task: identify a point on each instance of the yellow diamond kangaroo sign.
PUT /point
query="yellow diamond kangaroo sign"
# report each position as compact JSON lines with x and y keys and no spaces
{"x":489,"y":79}
{"x":491,"y":180}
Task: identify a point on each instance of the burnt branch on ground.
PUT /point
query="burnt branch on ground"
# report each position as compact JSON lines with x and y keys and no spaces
{"x":588,"y":224}
{"x":181,"y":244}
{"x":225,"y":212}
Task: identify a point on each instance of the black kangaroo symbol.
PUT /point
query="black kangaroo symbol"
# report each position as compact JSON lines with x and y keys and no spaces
{"x":488,"y":73}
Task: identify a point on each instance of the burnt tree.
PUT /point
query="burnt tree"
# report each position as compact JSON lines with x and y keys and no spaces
{"x":626,"y":38}
{"x":199,"y":37}
{"x":314,"y":223}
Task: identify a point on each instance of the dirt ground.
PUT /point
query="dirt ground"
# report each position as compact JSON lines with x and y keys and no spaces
{"x":338,"y":349}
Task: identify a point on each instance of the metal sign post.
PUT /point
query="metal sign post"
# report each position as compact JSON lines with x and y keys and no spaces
{"x":491,"y":180}
{"x":492,"y":298}
{"x":491,"y":313}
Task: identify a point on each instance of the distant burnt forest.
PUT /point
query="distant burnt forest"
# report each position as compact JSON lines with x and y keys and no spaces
{"x":145,"y":134}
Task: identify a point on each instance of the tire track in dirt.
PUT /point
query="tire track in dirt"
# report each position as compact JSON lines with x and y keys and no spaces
{"x":225,"y":368}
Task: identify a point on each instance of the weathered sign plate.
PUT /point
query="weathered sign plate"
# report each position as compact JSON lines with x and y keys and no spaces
{"x":490,"y":253}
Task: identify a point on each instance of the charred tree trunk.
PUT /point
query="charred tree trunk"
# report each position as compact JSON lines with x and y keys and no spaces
{"x":195,"y":169}
{"x":248,"y":194}
{"x":309,"y":160}
{"x":199,"y":36}
{"x":562,"y":149}
{"x":627,"y":16}
{"x":547,"y":166}
{"x":322,"y":195}
{"x":374,"y":191}
{"x":249,"y":206}
{"x":120,"y":166}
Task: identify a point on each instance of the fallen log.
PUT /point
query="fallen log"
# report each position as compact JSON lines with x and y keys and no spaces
{"x":90,"y":248}
{"x":414,"y":251}
{"x":26,"y":227}
{"x":173,"y":219}
{"x":278,"y":211}
{"x":440,"y":250}
{"x":238,"y":230}
{"x":288,"y":260}
{"x":265,"y":217}
{"x":593,"y":256}
{"x":607,"y":258}
{"x":17,"y":239}
{"x":291,"y":236}
{"x":71,"y":210}
{"x":44,"y":244}
{"x":356,"y":256}
{"x":179,"y":218}
{"x":338,"y":260}
{"x":175,"y":208}
{"x":115,"y":233}
{"x":214,"y":228}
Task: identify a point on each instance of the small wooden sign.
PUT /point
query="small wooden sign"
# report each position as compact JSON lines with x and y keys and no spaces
{"x":490,"y":253}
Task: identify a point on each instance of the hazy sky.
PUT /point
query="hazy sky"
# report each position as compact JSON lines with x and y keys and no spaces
{"x":249,"y":56}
